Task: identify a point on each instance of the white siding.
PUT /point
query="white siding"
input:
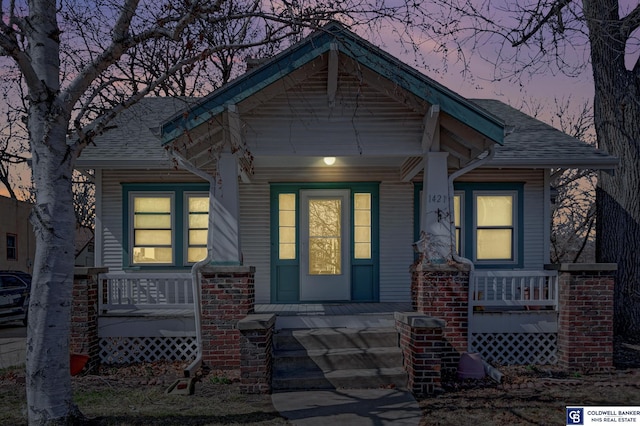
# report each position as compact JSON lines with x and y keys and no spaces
{"x":396,"y":239}
{"x":396,"y":218}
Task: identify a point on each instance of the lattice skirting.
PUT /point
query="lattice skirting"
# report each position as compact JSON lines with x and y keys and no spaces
{"x":516,"y":348}
{"x":130,"y":350}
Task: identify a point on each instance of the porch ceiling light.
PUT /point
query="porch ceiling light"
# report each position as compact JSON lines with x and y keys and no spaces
{"x":329,"y":161}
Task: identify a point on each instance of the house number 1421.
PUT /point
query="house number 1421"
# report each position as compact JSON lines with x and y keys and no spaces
{"x":437,"y":198}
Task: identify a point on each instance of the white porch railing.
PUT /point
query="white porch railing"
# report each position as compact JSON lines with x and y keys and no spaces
{"x":145,"y":291}
{"x":513,"y":289}
{"x":513,"y":316}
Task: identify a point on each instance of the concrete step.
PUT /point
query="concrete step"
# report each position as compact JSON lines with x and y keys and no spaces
{"x":345,"y":379}
{"x":338,"y":357}
{"x":332,"y":359}
{"x":335,"y":338}
{"x":311,"y":321}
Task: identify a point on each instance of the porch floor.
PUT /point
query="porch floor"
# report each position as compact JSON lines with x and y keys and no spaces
{"x":332,"y":308}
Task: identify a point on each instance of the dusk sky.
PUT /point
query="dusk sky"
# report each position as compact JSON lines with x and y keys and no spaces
{"x":542,"y":88}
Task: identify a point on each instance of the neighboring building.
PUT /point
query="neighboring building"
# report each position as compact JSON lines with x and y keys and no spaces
{"x":17,"y":241}
{"x":317,"y":232}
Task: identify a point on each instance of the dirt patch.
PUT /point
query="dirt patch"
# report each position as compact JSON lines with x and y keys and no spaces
{"x":536,"y":395}
{"x":135,"y":395}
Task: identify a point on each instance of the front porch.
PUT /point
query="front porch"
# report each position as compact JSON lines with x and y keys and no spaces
{"x":141,"y":318}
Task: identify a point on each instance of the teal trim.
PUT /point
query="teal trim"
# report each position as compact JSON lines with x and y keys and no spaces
{"x":285,"y":274}
{"x":178,"y":190}
{"x":358,"y":49}
{"x":469,"y":188}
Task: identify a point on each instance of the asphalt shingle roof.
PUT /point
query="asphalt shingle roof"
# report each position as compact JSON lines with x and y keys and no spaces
{"x":132,"y":140}
{"x":533,"y":143}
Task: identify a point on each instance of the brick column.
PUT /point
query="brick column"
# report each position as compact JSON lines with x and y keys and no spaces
{"x":421,"y":343}
{"x":84,"y":315}
{"x":585,"y":323}
{"x":256,"y":342}
{"x":442,"y":291}
{"x":228,"y":295}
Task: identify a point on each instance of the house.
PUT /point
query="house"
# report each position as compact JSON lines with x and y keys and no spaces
{"x":317,"y":159}
{"x":17,"y":241}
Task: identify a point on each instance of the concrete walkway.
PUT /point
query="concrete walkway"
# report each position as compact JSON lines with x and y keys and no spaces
{"x":348,"y":407}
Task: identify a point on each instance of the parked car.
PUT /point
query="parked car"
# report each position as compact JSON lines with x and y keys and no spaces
{"x":15,"y":287}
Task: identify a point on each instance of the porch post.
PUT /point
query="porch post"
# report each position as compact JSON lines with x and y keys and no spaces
{"x":436,"y":217}
{"x":225,"y":214}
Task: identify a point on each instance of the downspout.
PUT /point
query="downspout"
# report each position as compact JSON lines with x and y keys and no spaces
{"x":195,"y":269}
{"x":454,"y":255}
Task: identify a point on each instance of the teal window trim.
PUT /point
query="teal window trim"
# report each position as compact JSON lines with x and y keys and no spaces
{"x":467,"y":190}
{"x":178,"y":192}
{"x":372,"y":188}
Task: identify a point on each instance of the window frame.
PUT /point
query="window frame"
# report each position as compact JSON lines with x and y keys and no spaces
{"x":469,"y":221}
{"x":14,"y":247}
{"x":179,"y":221}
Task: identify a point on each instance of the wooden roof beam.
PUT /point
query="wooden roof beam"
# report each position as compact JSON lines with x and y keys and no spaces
{"x":431,"y":133}
{"x":332,"y":75}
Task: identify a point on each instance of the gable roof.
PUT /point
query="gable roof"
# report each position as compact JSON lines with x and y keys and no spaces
{"x":348,"y":43}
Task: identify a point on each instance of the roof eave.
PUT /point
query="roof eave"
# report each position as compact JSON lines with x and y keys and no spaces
{"x":604,"y":164}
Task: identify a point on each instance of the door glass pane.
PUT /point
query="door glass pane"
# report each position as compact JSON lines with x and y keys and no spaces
{"x":325,"y":237}
{"x":287,"y":226}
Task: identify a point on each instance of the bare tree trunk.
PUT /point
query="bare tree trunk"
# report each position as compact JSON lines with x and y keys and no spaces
{"x":49,"y":393}
{"x":617,"y":122}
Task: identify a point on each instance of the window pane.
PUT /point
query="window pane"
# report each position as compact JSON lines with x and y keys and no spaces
{"x":152,"y":255}
{"x":494,"y":244}
{"x":456,"y":210}
{"x":152,"y":229}
{"x":287,"y":226}
{"x":152,"y":237}
{"x":199,"y":204}
{"x":157,"y":221}
{"x":152,"y":204}
{"x":198,"y":237}
{"x":495,"y":210}
{"x":200,"y":220}
{"x":195,"y":254}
